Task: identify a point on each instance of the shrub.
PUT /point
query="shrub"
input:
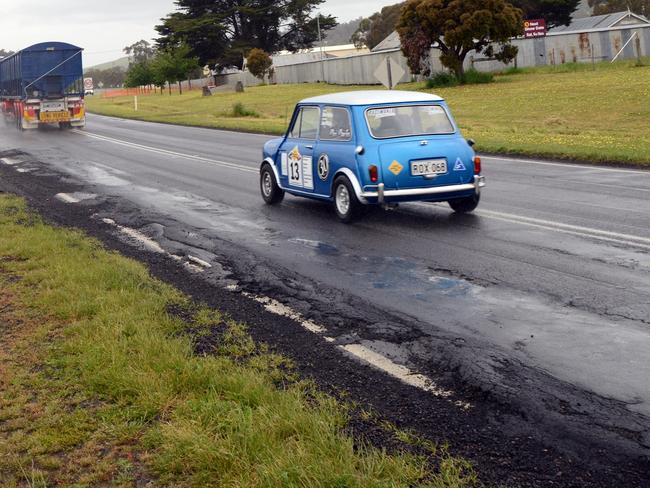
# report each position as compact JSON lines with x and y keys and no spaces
{"x":259,"y":63}
{"x":240,"y":110}
{"x":473,"y":77}
{"x":441,"y":80}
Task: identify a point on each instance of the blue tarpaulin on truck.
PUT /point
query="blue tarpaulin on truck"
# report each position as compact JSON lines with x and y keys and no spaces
{"x":46,"y":70}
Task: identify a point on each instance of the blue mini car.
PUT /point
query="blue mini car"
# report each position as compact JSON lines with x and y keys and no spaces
{"x":372,"y":148}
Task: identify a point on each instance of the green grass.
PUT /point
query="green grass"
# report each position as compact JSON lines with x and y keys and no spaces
{"x":570,"y":111}
{"x":101,"y":385}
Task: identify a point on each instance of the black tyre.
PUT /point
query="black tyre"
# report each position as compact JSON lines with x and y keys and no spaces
{"x":346,"y":205}
{"x":19,"y":121}
{"x":271,"y":192}
{"x":65,"y":125}
{"x":465,"y":205}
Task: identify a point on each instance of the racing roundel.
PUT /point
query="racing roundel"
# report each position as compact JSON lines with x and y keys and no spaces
{"x":323,"y":166}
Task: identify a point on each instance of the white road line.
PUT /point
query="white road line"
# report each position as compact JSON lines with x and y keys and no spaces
{"x":148,"y":243}
{"x":615,"y":237}
{"x":214,"y":162}
{"x":64,"y":197}
{"x":398,"y":371}
{"x":10,"y":161}
{"x":199,"y":261}
{"x":565,"y":165}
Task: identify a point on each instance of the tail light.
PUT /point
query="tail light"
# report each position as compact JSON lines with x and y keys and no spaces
{"x":477,"y":165}
{"x":76,"y":107}
{"x":29,"y":112}
{"x":374,"y":173}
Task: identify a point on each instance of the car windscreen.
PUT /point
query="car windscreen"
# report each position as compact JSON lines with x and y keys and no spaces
{"x":408,"y":120}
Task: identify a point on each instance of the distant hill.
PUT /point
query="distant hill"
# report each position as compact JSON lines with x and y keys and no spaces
{"x":342,"y":33}
{"x":118,"y":63}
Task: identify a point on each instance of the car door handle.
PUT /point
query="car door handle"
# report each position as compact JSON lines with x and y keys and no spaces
{"x":309,"y":147}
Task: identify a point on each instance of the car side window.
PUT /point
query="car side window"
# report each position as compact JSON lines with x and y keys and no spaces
{"x":335,"y":124}
{"x":306,"y":123}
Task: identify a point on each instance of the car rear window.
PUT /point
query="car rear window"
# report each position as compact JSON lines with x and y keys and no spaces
{"x":408,"y":120}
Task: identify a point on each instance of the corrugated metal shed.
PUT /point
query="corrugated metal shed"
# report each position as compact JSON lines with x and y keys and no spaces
{"x":391,"y":42}
{"x":598,"y":22}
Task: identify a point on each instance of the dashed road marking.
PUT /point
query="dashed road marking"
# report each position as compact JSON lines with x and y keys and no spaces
{"x":358,"y":351}
{"x":199,"y":261}
{"x":166,"y":152}
{"x":565,"y":165}
{"x":10,"y":161}
{"x":603,"y":235}
{"x":66,"y":198}
{"x":138,"y":236}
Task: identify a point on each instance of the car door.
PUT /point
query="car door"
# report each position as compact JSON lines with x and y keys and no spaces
{"x":297,"y":151}
{"x":335,"y":147}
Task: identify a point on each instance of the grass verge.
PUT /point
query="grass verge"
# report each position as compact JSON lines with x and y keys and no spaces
{"x":110,"y":377}
{"x":574,"y":111}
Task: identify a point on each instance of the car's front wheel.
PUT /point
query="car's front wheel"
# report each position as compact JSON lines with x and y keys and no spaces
{"x":271,"y":191}
{"x":346,"y":204}
{"x":465,"y":205}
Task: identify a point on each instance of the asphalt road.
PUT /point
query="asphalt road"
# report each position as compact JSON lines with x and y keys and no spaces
{"x":551,"y":274}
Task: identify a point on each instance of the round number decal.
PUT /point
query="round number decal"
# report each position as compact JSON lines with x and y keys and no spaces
{"x":323,"y":166}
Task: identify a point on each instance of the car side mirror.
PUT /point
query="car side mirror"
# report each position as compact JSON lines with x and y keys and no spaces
{"x":359,"y":150}
{"x":471,"y":142}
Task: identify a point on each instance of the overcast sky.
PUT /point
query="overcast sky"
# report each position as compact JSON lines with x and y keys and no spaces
{"x":103,"y":28}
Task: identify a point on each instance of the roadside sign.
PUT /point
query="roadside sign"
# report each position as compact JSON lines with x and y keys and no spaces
{"x":534,"y":28}
{"x":389,"y":73}
{"x":88,"y":84}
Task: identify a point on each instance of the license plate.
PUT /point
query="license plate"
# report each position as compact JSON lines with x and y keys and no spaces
{"x":63,"y":116}
{"x":429,"y":167}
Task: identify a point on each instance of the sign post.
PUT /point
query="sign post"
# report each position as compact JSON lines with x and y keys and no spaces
{"x":534,"y":28}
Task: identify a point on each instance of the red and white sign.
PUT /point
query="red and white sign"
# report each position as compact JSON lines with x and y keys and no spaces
{"x":534,"y":28}
{"x":88,"y":83}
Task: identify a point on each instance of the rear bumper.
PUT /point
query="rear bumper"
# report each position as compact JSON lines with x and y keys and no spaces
{"x":383,"y":195}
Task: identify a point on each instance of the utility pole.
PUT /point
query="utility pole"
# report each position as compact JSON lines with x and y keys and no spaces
{"x":320,"y":41}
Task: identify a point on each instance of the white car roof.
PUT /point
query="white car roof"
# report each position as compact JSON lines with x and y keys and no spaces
{"x":373,"y":97}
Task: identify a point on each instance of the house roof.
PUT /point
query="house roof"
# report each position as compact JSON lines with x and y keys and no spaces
{"x":391,"y":42}
{"x":601,"y":22}
{"x":373,"y":97}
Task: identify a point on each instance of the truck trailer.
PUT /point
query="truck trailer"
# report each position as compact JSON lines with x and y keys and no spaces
{"x":43,"y":84}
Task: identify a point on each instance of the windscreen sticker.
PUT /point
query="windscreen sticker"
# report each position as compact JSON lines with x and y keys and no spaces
{"x":380,"y":113}
{"x":307,"y":172}
{"x":283,"y":163}
{"x":459,"y":166}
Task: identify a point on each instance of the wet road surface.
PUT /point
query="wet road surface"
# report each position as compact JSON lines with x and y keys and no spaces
{"x":551,"y":274}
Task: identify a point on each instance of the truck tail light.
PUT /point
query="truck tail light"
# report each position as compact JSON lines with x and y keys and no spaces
{"x":374,"y":173}
{"x":477,"y":165}
{"x":29,"y":111}
{"x":76,"y":107}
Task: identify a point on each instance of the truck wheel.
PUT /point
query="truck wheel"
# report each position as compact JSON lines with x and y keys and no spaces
{"x":346,"y":204}
{"x":464,"y":205}
{"x":19,"y":122}
{"x":271,"y":191}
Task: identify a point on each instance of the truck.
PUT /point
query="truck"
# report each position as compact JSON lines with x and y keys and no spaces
{"x":43,"y":84}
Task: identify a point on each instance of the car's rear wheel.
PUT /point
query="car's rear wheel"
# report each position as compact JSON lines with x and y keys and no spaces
{"x":466,"y":204}
{"x":346,"y":204}
{"x":271,"y":191}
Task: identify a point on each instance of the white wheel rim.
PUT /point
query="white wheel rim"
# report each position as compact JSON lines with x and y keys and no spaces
{"x":267,"y":184}
{"x":342,"y":199}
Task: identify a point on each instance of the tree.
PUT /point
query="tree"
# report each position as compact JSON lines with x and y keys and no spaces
{"x":377,"y":27}
{"x":259,"y":63}
{"x":601,"y":7}
{"x":173,"y":65}
{"x":457,"y":27}
{"x":139,"y":52}
{"x":555,"y":12}
{"x":139,"y":74}
{"x":4,"y":53}
{"x":220,"y":32}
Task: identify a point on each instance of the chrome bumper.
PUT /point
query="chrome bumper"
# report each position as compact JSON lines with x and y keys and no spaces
{"x":381,"y":194}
